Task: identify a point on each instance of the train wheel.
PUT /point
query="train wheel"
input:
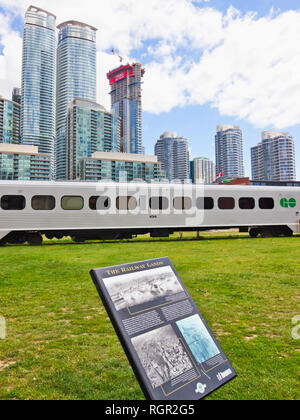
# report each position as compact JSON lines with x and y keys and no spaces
{"x":254,"y":233}
{"x":35,"y":239}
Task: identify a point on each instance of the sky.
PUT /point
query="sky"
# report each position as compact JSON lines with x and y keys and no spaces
{"x":208,"y":62}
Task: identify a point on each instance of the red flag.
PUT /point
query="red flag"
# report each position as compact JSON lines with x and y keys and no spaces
{"x":221,"y":174}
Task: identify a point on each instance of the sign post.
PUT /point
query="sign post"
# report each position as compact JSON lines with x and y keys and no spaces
{"x":171,"y":349}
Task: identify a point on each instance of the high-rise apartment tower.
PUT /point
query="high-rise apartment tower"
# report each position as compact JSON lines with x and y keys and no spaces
{"x":229,"y":151}
{"x":126,"y":101}
{"x":16,"y":95}
{"x":38,"y":80}
{"x":9,"y":121}
{"x":76,"y":78}
{"x":203,"y":171}
{"x":91,"y":128}
{"x":274,"y":158}
{"x":173,"y":152}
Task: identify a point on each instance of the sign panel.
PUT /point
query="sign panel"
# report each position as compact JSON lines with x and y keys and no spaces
{"x":166,"y":339}
{"x":120,"y":76}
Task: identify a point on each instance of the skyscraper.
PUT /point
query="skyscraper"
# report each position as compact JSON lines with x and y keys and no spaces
{"x":173,"y":152}
{"x":9,"y":121}
{"x":76,"y":78}
{"x":274,"y":158}
{"x":38,"y":80}
{"x":16,"y":95}
{"x":203,"y":171}
{"x":91,"y":128}
{"x":126,"y":101}
{"x":229,"y":151}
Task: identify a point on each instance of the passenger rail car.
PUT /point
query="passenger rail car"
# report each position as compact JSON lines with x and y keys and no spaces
{"x":90,"y":211}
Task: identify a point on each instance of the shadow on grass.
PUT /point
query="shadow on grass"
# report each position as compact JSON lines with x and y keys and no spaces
{"x":150,"y":240}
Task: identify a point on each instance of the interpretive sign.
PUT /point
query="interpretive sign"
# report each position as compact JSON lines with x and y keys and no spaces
{"x":171,"y":349}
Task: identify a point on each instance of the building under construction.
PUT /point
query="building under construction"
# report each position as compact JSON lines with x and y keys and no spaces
{"x":126,"y":101}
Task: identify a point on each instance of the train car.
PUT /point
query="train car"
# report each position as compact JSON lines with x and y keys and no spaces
{"x":99,"y":211}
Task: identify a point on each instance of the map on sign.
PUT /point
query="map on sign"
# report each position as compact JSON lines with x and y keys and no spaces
{"x":166,"y":339}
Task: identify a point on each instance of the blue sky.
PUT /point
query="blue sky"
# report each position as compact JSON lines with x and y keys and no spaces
{"x":198,"y":123}
{"x":262,"y":7}
{"x":208,"y":62}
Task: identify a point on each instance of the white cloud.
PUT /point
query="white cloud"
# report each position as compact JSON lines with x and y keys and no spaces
{"x":252,"y":74}
{"x":245,"y":66}
{"x":10,"y":69}
{"x":255,"y":70}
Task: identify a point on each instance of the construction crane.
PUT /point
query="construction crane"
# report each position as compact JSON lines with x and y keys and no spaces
{"x":115,"y":53}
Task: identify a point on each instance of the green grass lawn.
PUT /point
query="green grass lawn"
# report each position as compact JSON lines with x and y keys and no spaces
{"x":60,"y":343}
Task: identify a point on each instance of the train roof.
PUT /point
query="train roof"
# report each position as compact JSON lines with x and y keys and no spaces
{"x":79,"y":184}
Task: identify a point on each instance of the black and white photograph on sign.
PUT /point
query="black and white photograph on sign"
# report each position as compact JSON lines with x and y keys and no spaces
{"x":129,"y":290}
{"x":198,"y":338}
{"x":162,"y":355}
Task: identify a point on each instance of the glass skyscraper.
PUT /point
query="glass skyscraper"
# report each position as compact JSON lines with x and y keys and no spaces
{"x":91,"y":128}
{"x":126,"y":101}
{"x":76,"y":78}
{"x":274,"y":158}
{"x":16,"y":95}
{"x":203,"y":171}
{"x":229,"y":151}
{"x":38,"y":80}
{"x":9,"y":121}
{"x":173,"y":152}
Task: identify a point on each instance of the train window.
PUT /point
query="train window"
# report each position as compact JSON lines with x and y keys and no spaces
{"x":72,"y":203}
{"x":205,"y":203}
{"x":126,"y":203}
{"x":226,"y":203}
{"x":159,"y":203}
{"x":182,"y":203}
{"x":247,"y":203}
{"x":43,"y":202}
{"x":266,"y":203}
{"x":13,"y":202}
{"x":99,"y":203}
